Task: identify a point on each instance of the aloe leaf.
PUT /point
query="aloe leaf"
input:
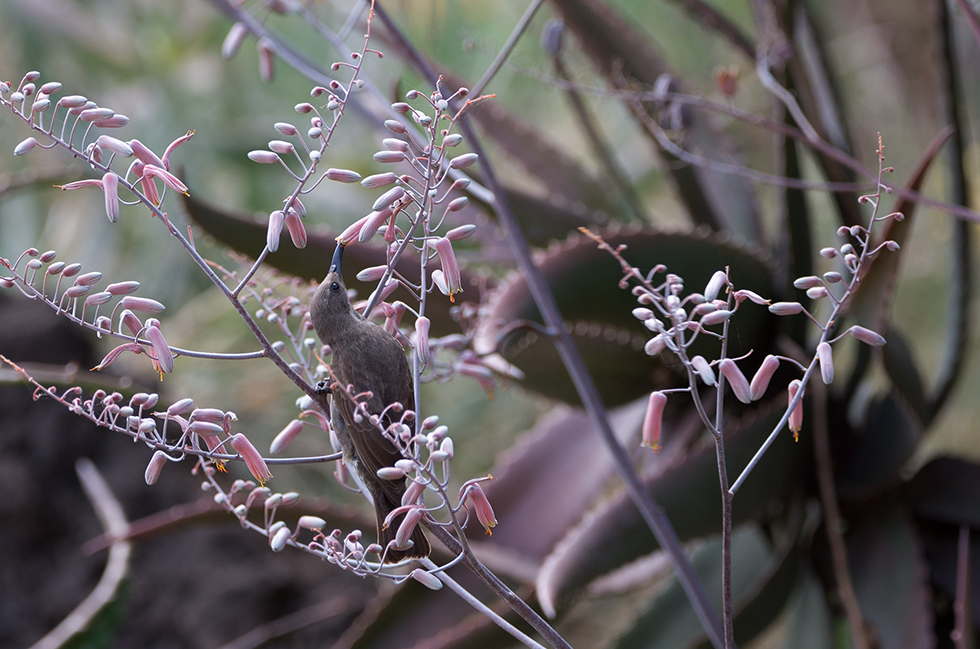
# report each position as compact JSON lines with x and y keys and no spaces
{"x":614,"y":534}
{"x":944,"y":490}
{"x":598,"y":314}
{"x":891,"y":577}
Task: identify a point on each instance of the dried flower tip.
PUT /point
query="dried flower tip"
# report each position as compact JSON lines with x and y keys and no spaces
{"x":155,"y":466}
{"x":463,"y":161}
{"x":428,"y":580}
{"x":703,"y":368}
{"x":263,"y":157}
{"x":653,"y":421}
{"x":253,"y":460}
{"x":795,"y":417}
{"x":279,"y":539}
{"x":762,"y":377}
{"x":25,"y":146}
{"x":143,"y":304}
{"x":452,"y":140}
{"x":786,"y":308}
{"x":718,"y":281}
{"x":461,"y":232}
{"x":867,"y":336}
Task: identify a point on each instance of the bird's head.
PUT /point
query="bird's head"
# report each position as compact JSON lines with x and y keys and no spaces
{"x":331,"y":310}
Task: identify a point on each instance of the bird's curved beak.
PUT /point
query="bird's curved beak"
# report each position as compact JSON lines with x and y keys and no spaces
{"x":337,"y":254}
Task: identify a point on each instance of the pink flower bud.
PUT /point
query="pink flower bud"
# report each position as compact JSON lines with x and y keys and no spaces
{"x":715,"y":317}
{"x":404,"y":534}
{"x":25,"y":146}
{"x":452,"y":140}
{"x":389,"y":157}
{"x":98,"y":299}
{"x":143,"y":304}
{"x":463,"y":161}
{"x":88,"y":279}
{"x":413,"y":493}
{"x":286,"y":436}
{"x":703,"y":368}
{"x":297,"y":231}
{"x":394,"y":144}
{"x":109,"y":143}
{"x":129,"y":319}
{"x":77,"y":291}
{"x":253,"y":460}
{"x":718,"y":281}
{"x":205,"y":428}
{"x":280,"y":539}
{"x":72,"y":101}
{"x":263,"y":157}
{"x":310,"y":522}
{"x":234,"y":39}
{"x":826,"y":358}
{"x":867,"y":336}
{"x":817,"y":292}
{"x":457,"y":204}
{"x":655,"y":345}
{"x":343,"y":175}
{"x":762,"y":377}
{"x":653,"y":421}
{"x":110,"y":185}
{"x":266,"y":59}
{"x":95,"y":114}
{"x":795,"y":417}
{"x":372,"y":273}
{"x":809,"y":281}
{"x":155,"y":466}
{"x":211,"y":415}
{"x":422,"y":339}
{"x":122,"y":288}
{"x":388,"y":198}
{"x":439,"y":279}
{"x":116,"y":121}
{"x":428,"y":580}
{"x":461,"y":232}
{"x":281,"y":146}
{"x":390,"y":473}
{"x":379,"y":180}
{"x":740,"y":386}
{"x":786,"y":308}
{"x":274,"y":231}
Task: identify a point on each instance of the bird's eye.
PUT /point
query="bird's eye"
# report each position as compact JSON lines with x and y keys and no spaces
{"x":335,"y":286}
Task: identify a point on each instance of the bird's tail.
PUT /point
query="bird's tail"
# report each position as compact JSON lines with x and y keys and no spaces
{"x":420,"y":548}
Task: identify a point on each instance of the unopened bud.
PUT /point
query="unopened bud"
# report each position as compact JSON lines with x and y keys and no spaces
{"x":826,"y":357}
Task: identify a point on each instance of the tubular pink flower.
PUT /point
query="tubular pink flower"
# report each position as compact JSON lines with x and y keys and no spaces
{"x":762,"y":377}
{"x":253,"y":460}
{"x":286,"y":436}
{"x":234,"y":39}
{"x":276,"y":220}
{"x":155,"y":466}
{"x":352,"y":231}
{"x":404,"y":534}
{"x":653,"y":421}
{"x":143,"y":154}
{"x":173,"y":145}
{"x":132,"y":323}
{"x":172,"y":181}
{"x":715,"y":284}
{"x":110,"y":185}
{"x":740,"y":386}
{"x":422,"y":339}
{"x":752,"y":296}
{"x":477,"y":501}
{"x":795,"y":417}
{"x":439,"y":279}
{"x":164,"y":357}
{"x":413,"y":493}
{"x":450,"y":267}
{"x":826,"y":357}
{"x":136,"y":348}
{"x":109,"y":143}
{"x":297,"y":231}
{"x":78,"y":184}
{"x":372,"y":222}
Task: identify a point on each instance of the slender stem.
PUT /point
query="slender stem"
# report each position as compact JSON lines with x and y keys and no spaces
{"x":651,"y":512}
{"x":508,"y":47}
{"x":962,"y":628}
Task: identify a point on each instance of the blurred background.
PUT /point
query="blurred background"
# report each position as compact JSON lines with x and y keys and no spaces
{"x":159,"y":62}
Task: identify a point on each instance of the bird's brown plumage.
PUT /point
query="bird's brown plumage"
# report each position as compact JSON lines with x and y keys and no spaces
{"x":368,"y":358}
